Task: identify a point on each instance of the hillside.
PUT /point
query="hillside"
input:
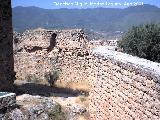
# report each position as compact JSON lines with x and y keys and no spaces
{"x":96,"y":19}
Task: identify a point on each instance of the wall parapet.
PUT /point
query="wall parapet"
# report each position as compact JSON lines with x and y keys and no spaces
{"x":131,"y":63}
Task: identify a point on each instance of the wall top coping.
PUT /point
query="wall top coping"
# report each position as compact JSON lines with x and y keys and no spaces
{"x":126,"y":58}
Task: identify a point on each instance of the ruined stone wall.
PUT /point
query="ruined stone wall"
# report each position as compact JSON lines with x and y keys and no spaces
{"x":121,"y":86}
{"x":32,"y":56}
{"x":74,"y":57}
{"x":39,"y":52}
{"x":6,"y":45}
{"x":122,"y":90}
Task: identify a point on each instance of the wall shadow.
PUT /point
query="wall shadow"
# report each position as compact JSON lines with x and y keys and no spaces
{"x":46,"y":91}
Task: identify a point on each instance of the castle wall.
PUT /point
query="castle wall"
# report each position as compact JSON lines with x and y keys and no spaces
{"x":124,"y":87}
{"x":121,"y":86}
{"x":6,"y":45}
{"x":68,"y":55}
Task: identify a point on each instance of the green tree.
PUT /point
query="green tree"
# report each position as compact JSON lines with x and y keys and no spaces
{"x":142,"y":41}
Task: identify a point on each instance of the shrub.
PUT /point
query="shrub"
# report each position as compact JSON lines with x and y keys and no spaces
{"x":142,"y":41}
{"x":32,"y":78}
{"x":35,"y":79}
{"x":52,"y":77}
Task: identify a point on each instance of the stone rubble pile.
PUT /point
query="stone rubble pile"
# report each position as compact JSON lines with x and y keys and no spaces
{"x":74,"y":111}
{"x":34,"y":108}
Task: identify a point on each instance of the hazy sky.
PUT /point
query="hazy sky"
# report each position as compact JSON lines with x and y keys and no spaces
{"x":54,"y":4}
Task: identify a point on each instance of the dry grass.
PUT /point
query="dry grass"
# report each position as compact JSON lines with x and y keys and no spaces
{"x":73,"y":85}
{"x":83,"y":100}
{"x":80,"y":100}
{"x":82,"y":118}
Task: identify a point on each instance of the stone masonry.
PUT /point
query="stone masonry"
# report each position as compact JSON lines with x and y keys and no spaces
{"x":6,"y":45}
{"x":121,"y":86}
{"x":40,"y":52}
{"x":124,"y":87}
{"x":119,"y":89}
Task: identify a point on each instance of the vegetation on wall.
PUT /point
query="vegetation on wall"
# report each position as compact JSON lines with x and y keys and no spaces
{"x":143,"y":41}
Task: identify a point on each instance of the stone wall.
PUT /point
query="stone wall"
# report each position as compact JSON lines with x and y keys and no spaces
{"x":31,"y":54}
{"x":74,"y":57}
{"x":124,"y":87}
{"x":40,"y":52}
{"x":121,"y":86}
{"x":6,"y":46}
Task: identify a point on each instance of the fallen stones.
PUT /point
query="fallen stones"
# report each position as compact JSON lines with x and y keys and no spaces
{"x":7,"y":100}
{"x":35,"y":108}
{"x":77,"y":109}
{"x":73,"y":111}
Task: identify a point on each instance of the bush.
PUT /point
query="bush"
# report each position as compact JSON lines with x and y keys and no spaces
{"x":32,"y":78}
{"x":142,"y":41}
{"x":52,"y":77}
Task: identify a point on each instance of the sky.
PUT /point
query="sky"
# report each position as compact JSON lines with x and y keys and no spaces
{"x":56,"y":4}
